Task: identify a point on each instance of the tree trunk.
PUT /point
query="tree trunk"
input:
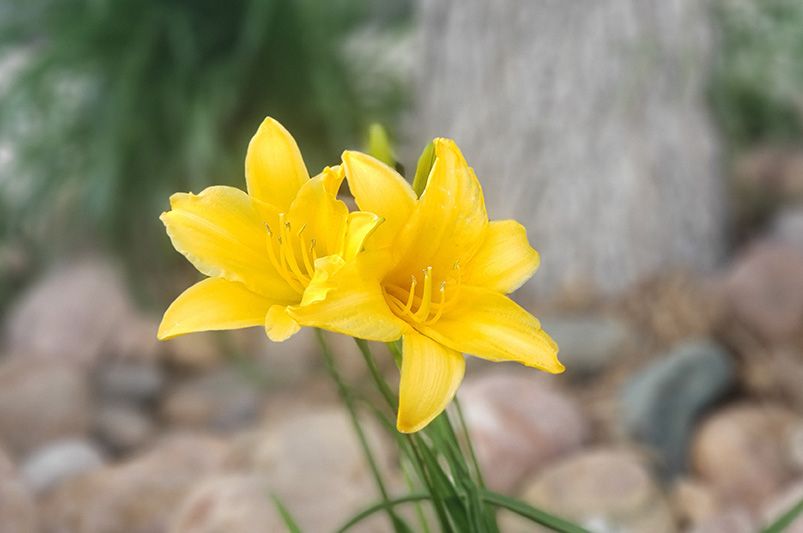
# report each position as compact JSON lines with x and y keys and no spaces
{"x":586,"y":120}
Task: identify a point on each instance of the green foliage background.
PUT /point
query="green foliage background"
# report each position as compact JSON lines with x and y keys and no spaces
{"x":117,"y":104}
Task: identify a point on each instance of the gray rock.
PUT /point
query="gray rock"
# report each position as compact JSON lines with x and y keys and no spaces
{"x":122,"y":427}
{"x":588,"y":343}
{"x":661,"y":403}
{"x":57,"y":462}
{"x":41,"y":401}
{"x":130,"y":380}
{"x":137,"y":496}
{"x":604,"y":490}
{"x":787,"y":227}
{"x":519,"y":422}
{"x":17,"y":509}
{"x":223,"y":400}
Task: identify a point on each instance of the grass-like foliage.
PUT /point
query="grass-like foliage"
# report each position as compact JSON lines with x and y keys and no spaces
{"x":112,"y":105}
{"x":757,"y":87}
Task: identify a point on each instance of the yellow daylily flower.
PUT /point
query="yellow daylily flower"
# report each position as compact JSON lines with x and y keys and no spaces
{"x":260,"y":249}
{"x":435,"y":273}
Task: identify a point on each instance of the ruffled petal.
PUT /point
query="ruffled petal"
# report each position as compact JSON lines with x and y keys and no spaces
{"x":450,"y":220}
{"x":274,"y":168}
{"x":505,"y":260}
{"x":279,"y":326}
{"x":379,"y":189}
{"x":213,"y":304}
{"x":490,"y":325}
{"x":344,"y":298}
{"x":222,"y":234}
{"x":317,"y":217}
{"x":430,"y":376}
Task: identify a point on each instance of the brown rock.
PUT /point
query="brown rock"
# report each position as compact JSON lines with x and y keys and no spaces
{"x":731,"y":520}
{"x":232,"y":504}
{"x":519,"y":423}
{"x":137,"y":496}
{"x":781,"y":503}
{"x":72,"y":314}
{"x":603,"y":490}
{"x":314,"y":464}
{"x":123,"y":428}
{"x":41,"y":401}
{"x":17,"y":510}
{"x":765,"y":291}
{"x":745,"y":452}
{"x":693,"y":501}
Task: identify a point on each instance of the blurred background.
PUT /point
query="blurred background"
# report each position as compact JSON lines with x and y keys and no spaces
{"x":653,"y":149}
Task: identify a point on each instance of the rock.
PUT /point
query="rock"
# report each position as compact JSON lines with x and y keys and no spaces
{"x":130,"y":380}
{"x":787,"y":227}
{"x":59,"y":461}
{"x":41,"y":401}
{"x":314,"y":464}
{"x":70,"y":315}
{"x":17,"y":509}
{"x":693,"y":501}
{"x":588,"y":343}
{"x":519,"y":423}
{"x":774,"y":372}
{"x":731,"y":520}
{"x":197,"y":351}
{"x":746,"y":452}
{"x":765,"y":291}
{"x":137,"y":496}
{"x":223,"y":400}
{"x":123,"y":428}
{"x":661,"y":403}
{"x":232,"y":503}
{"x":604,"y":490}
{"x":781,"y":503}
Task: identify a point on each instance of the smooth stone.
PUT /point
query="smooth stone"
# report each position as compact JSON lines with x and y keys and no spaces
{"x":519,"y":423}
{"x":661,"y":403}
{"x":313,"y":462}
{"x":130,"y":380}
{"x":139,"y":495}
{"x":123,"y":428}
{"x":781,"y":503}
{"x":603,"y":490}
{"x":41,"y":401}
{"x":225,"y":399}
{"x":59,"y":461}
{"x":746,"y":452}
{"x":588,"y":343}
{"x":234,"y":503}
{"x":764,"y":289}
{"x":18,"y":512}
{"x":730,"y":520}
{"x":59,"y":318}
{"x":787,"y":227}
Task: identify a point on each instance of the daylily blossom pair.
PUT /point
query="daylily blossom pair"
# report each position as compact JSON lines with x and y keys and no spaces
{"x":431,"y":270}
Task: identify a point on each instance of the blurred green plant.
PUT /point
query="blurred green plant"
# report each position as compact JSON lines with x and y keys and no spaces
{"x":112,"y":105}
{"x":757,"y":84}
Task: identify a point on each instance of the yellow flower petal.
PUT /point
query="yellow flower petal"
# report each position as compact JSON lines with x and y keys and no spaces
{"x":274,"y":168}
{"x":505,"y":260}
{"x":316,"y":216}
{"x":449,"y":222}
{"x":361,"y":224}
{"x":279,"y":326}
{"x":213,"y":304}
{"x":344,"y":298}
{"x":379,"y":189}
{"x":222,"y":234}
{"x":430,"y":376}
{"x":490,"y":325}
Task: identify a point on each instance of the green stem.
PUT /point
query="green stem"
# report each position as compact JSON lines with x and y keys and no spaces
{"x":345,"y":395}
{"x":365,"y":350}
